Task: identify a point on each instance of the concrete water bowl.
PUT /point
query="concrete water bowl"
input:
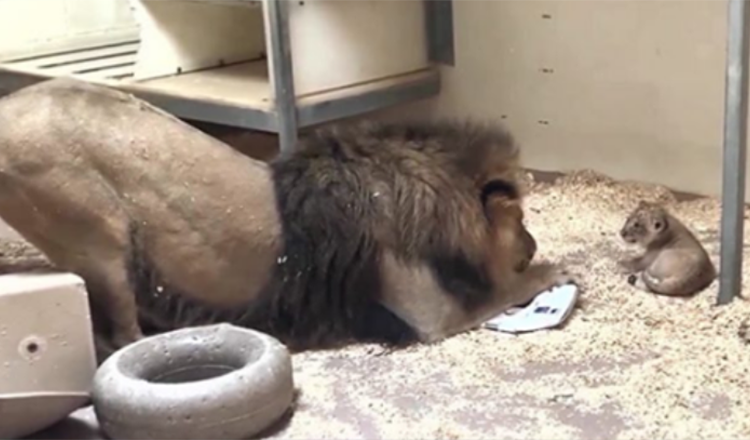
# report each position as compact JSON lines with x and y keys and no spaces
{"x":217,"y":381}
{"x":47,"y":356}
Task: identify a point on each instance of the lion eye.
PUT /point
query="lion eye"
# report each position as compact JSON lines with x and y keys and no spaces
{"x":637,"y":224}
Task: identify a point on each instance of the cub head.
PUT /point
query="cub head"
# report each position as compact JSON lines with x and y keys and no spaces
{"x":646,"y":224}
{"x":512,"y":242}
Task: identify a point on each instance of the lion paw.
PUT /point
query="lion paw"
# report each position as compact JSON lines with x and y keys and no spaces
{"x":123,"y":338}
{"x":560,"y":276}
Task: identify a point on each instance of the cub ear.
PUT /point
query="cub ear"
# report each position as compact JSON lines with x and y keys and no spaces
{"x":642,"y":204}
{"x":500,"y":189}
{"x":660,"y":224}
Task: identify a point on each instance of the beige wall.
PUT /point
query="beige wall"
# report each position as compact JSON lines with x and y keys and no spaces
{"x":29,"y":26}
{"x":636,"y":88}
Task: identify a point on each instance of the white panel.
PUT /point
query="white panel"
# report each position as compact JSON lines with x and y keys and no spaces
{"x":29,"y":28}
{"x":184,"y":36}
{"x":338,"y":43}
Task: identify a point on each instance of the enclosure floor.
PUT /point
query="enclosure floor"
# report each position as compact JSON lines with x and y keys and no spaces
{"x":628,"y":365}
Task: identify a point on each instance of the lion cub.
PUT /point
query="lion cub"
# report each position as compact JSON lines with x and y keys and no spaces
{"x":675,"y":263}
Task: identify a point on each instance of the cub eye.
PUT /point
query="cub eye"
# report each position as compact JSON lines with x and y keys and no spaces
{"x":657,"y":225}
{"x":637,"y":224}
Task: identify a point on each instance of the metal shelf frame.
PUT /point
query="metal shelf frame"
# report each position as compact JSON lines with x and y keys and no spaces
{"x":288,"y":114}
{"x":734,"y":151}
{"x":290,"y":117}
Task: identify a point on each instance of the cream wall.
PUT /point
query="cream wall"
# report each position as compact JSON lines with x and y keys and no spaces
{"x":635,"y":89}
{"x":33,"y":25}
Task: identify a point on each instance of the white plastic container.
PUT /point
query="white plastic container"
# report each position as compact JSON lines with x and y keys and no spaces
{"x":47,"y":356}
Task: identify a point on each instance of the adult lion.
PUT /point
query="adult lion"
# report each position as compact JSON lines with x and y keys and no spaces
{"x":392,"y":233}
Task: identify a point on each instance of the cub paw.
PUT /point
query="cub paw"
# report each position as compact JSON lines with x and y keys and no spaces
{"x":624,"y":267}
{"x":637,"y":280}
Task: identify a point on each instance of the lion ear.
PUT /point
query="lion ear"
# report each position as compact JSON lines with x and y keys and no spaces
{"x":500,"y":189}
{"x":501,"y":201}
{"x":642,"y":204}
{"x":500,"y":211}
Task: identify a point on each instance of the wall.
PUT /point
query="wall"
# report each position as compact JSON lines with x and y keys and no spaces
{"x":50,"y":24}
{"x":633,"y":89}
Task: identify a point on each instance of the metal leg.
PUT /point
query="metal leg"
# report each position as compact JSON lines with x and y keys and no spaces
{"x":439,"y":23}
{"x":282,"y":73}
{"x":735,"y":146}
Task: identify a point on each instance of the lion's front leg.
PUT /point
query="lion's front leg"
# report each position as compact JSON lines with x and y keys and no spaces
{"x":634,"y":264}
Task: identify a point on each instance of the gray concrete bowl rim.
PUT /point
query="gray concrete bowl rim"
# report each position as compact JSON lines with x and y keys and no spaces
{"x":256,"y":389}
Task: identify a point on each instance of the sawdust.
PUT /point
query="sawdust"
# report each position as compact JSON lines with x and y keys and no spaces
{"x":628,"y":365}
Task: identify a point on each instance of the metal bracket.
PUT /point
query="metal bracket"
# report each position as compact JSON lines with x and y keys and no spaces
{"x":282,"y":73}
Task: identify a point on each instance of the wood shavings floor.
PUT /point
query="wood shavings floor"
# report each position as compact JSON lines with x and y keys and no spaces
{"x":628,"y":365}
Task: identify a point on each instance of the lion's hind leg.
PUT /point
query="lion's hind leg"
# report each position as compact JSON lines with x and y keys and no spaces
{"x":78,"y":223}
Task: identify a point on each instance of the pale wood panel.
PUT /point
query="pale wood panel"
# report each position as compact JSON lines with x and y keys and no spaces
{"x":37,"y":27}
{"x":634,"y":89}
{"x":337,"y":43}
{"x":185,"y":36}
